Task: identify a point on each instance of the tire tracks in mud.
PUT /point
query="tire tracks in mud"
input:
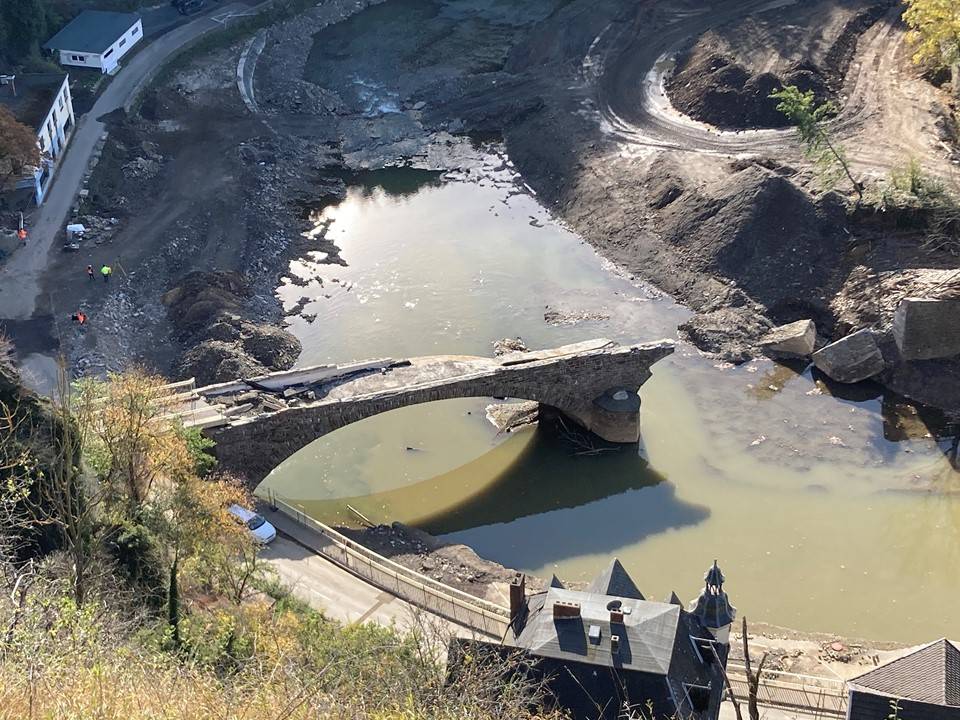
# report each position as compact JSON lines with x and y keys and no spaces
{"x":879,"y":118}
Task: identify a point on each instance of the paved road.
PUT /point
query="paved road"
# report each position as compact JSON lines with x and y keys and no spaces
{"x":20,"y":278}
{"x":326,"y":587}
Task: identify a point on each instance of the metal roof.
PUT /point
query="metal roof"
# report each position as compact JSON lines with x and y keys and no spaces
{"x":92,"y":31}
{"x":930,"y":674}
{"x":647,"y":634}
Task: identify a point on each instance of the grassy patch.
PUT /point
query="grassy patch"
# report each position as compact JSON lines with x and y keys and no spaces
{"x":921,"y":199}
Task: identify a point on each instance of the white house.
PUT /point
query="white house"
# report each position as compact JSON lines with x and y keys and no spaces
{"x":42,"y":102}
{"x":97,"y":39}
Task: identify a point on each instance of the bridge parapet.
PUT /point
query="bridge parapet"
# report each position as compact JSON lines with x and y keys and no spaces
{"x":258,"y":423}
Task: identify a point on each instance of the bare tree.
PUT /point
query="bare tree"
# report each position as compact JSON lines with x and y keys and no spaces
{"x":753,"y":679}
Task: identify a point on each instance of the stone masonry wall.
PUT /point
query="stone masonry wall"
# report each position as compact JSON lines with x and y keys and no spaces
{"x":252,"y":449}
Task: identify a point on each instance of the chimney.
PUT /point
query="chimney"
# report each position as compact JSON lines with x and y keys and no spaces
{"x":615,"y":644}
{"x":518,"y":592}
{"x":616,"y":617}
{"x":565,"y":610}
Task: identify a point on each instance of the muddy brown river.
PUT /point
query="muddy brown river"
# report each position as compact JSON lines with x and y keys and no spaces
{"x":830,"y":508}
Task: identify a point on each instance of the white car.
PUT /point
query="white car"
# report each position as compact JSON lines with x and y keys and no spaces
{"x":262,"y":531}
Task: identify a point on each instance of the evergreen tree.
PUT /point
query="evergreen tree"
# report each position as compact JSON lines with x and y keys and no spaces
{"x":26,"y":28}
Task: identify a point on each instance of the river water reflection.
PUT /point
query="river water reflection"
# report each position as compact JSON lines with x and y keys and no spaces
{"x":828,"y":513}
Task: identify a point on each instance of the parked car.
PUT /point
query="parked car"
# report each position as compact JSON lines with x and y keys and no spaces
{"x":262,"y":531}
{"x":185,"y":7}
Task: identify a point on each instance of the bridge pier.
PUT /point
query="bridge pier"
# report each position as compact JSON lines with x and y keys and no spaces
{"x":615,"y":415}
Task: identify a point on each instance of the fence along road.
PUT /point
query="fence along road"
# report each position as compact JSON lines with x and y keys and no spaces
{"x":810,"y":695}
{"x":484,"y":617}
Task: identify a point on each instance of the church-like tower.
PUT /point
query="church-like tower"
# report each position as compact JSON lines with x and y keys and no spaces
{"x":713,"y":607}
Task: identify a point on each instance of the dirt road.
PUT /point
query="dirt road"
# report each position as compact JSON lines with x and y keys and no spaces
{"x":885,"y":106}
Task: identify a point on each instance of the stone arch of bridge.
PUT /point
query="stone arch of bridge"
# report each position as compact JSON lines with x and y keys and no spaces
{"x":598,"y":390}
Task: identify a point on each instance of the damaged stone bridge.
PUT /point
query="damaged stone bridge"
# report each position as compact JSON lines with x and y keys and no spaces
{"x":260,"y":422}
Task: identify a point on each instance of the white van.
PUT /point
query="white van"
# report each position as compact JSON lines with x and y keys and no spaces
{"x":263,"y":532}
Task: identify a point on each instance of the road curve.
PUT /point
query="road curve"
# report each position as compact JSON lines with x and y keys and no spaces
{"x":627,"y":60}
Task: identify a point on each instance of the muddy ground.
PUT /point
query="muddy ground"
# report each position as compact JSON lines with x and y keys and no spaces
{"x":725,"y":76}
{"x":738,"y":227}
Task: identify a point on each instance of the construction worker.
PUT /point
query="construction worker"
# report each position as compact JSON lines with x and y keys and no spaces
{"x":22,"y":235}
{"x":79,"y":317}
{"x":90,"y":272}
{"x":106,"y":271}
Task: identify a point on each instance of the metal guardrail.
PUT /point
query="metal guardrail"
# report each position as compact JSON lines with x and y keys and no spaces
{"x":417,"y":589}
{"x":802,"y":694}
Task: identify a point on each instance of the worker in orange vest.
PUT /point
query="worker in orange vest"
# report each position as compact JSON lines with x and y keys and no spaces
{"x":22,"y":234}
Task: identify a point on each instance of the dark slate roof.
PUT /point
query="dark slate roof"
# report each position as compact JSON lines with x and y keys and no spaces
{"x":92,"y":31}
{"x":647,"y":635}
{"x":35,"y":95}
{"x":615,"y":581}
{"x":930,"y":674}
{"x":674,"y":599}
{"x":555,"y":582}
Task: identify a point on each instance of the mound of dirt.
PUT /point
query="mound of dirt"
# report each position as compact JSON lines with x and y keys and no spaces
{"x":726,"y":76}
{"x":757,"y":229}
{"x":714,"y":89}
{"x":202,"y":297}
{"x":454,"y":564}
{"x":203,"y":308}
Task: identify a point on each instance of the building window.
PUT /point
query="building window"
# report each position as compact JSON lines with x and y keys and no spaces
{"x":108,"y":53}
{"x":60,"y":101}
{"x":78,"y":58}
{"x":123,"y":42}
{"x":135,"y":30}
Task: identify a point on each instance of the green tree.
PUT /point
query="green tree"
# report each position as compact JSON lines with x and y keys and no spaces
{"x":934,"y":31}
{"x":809,"y":119}
{"x":127,"y":441}
{"x":26,"y":23}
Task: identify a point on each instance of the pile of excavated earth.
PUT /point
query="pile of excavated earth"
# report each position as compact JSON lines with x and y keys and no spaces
{"x":725,"y":76}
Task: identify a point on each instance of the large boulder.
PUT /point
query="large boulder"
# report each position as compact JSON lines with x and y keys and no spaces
{"x":927,"y":328}
{"x":851,"y":359}
{"x":794,"y":340}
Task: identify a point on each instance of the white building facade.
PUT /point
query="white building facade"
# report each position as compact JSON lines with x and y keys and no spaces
{"x":43,"y":102}
{"x":97,"y":39}
{"x":52,"y":135}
